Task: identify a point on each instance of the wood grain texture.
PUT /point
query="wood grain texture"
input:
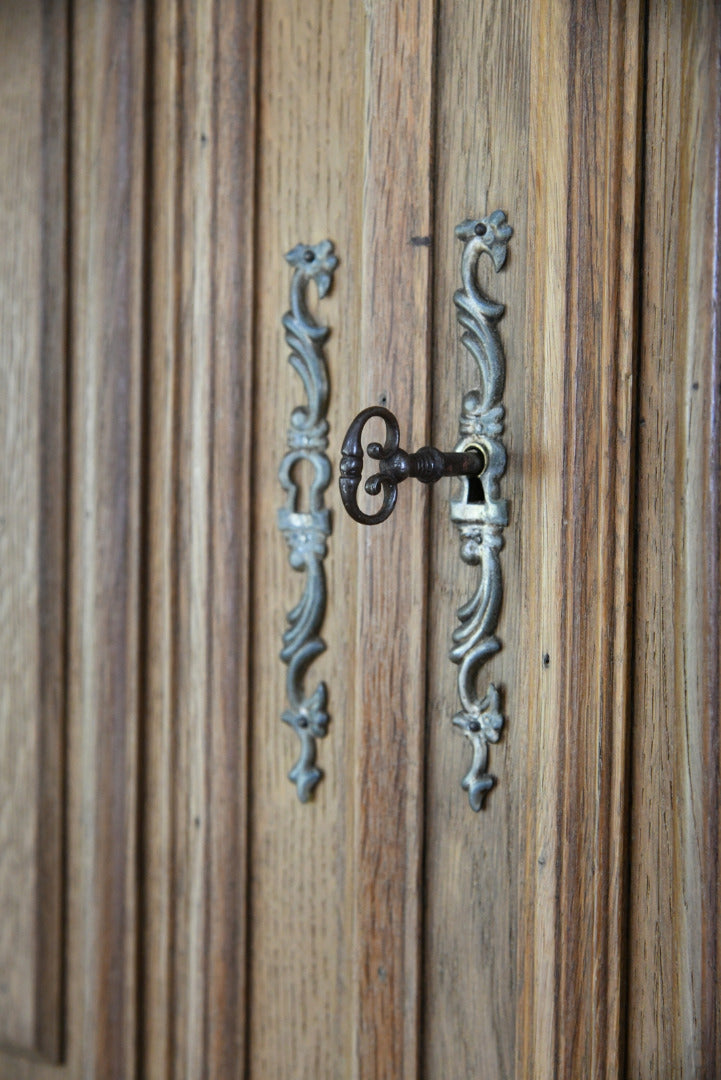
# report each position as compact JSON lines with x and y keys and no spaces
{"x":390,"y":705}
{"x":309,"y":184}
{"x":33,"y":488}
{"x":674,"y":1017}
{"x":208,"y":923}
{"x":107,"y":308}
{"x":473,"y":862}
{"x":107,"y":47}
{"x":195,"y":779}
{"x":575,"y":534}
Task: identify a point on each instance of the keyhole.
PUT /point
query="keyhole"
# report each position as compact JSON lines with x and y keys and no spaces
{"x":476,"y":492}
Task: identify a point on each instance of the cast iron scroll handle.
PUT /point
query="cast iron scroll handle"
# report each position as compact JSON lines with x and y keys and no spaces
{"x":307,"y":528}
{"x":427,"y":465}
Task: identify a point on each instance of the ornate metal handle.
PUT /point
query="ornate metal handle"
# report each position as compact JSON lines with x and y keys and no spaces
{"x":427,"y":465}
{"x":480,"y":521}
{"x":306,"y":531}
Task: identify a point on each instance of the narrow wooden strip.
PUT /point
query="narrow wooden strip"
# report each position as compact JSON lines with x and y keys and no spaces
{"x":52,"y":909}
{"x":618,"y":351}
{"x":392,"y":603}
{"x":675,"y":901}
{"x":108,"y":202}
{"x":233,"y":275}
{"x":707,"y":293}
{"x":606,"y":62}
{"x":579,"y":787}
{"x":160,"y":993}
{"x":199,"y":499}
{"x":33,"y":496}
{"x":540,"y":535}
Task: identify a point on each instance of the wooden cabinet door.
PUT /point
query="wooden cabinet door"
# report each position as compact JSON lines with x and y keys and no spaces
{"x":170,"y":908}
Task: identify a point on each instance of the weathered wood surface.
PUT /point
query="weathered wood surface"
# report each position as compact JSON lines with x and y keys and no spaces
{"x":674,"y":1009}
{"x":575,"y":535}
{"x":390,"y":691}
{"x":198,"y":580}
{"x":33,"y":489}
{"x":107,"y":314}
{"x":207,"y":922}
{"x":309,"y":188}
{"x":97,"y":1017}
{"x":473,"y":862}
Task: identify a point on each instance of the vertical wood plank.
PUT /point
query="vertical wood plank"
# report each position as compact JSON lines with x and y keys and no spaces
{"x":542,"y":470}
{"x":309,"y":183}
{"x":473,"y":861}
{"x":33,"y":493}
{"x":674,"y":1010}
{"x":575,"y":534}
{"x":161,"y":995}
{"x":97,"y":1028}
{"x":390,"y":702}
{"x":107,"y":338}
{"x":55,"y":486}
{"x":233,"y":276}
{"x":201,"y":297}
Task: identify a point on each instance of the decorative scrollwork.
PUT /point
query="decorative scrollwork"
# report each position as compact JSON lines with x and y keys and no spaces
{"x":306,"y":532}
{"x":479,"y":512}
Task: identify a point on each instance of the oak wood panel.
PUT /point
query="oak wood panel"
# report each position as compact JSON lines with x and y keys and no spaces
{"x":309,"y":187}
{"x":195,"y":782}
{"x":575,"y":580}
{"x":173,"y":506}
{"x":105,"y":341}
{"x":675,"y":898}
{"x":473,"y":862}
{"x":33,"y":485}
{"x":107,"y":351}
{"x":390,"y":702}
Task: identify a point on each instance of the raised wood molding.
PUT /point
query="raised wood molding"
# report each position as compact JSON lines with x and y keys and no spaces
{"x":95,"y":259}
{"x":107,"y":342}
{"x":33,"y":497}
{"x":576,"y":532}
{"x":105,"y":266}
{"x":674,"y":1006}
{"x":195,"y":778}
